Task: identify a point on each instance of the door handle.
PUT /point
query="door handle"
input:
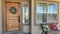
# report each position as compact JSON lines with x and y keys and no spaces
{"x":19,"y":19}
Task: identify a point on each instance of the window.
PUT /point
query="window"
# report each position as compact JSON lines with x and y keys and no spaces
{"x":52,"y":12}
{"x":46,"y":12}
{"x":25,"y":13}
{"x":41,"y":12}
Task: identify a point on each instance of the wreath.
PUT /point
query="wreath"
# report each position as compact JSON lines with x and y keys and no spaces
{"x":13,"y":10}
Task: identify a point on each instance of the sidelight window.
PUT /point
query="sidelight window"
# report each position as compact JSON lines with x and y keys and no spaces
{"x":25,"y":13}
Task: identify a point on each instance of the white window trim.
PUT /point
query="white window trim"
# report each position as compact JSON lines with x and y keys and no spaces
{"x":22,"y":12}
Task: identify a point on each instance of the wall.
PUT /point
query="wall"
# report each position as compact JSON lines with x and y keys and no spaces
{"x":26,"y":28}
{"x":0,"y":16}
{"x":36,"y":28}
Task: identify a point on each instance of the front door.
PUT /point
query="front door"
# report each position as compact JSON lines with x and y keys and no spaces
{"x":13,"y":16}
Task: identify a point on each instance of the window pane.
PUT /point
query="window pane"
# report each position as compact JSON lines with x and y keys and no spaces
{"x":52,"y":8}
{"x":41,"y":7}
{"x":25,"y":13}
{"x":44,"y":17}
{"x":41,"y":17}
{"x":52,"y":18}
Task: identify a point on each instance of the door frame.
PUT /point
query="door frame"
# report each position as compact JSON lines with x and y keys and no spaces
{"x":5,"y":16}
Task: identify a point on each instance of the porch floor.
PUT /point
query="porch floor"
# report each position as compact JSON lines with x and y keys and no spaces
{"x":15,"y":32}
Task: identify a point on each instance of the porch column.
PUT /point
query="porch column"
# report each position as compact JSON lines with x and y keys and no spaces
{"x":32,"y":16}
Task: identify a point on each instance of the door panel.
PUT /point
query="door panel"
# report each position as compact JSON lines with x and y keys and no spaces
{"x":12,"y":10}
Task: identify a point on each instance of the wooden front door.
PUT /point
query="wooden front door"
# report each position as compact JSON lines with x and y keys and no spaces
{"x":13,"y":16}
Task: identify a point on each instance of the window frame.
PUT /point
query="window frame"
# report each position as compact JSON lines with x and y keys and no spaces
{"x":47,"y":11}
{"x":28,"y":12}
{"x":54,"y":12}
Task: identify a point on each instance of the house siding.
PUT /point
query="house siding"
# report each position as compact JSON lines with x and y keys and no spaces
{"x":0,"y":16}
{"x":35,"y":29}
